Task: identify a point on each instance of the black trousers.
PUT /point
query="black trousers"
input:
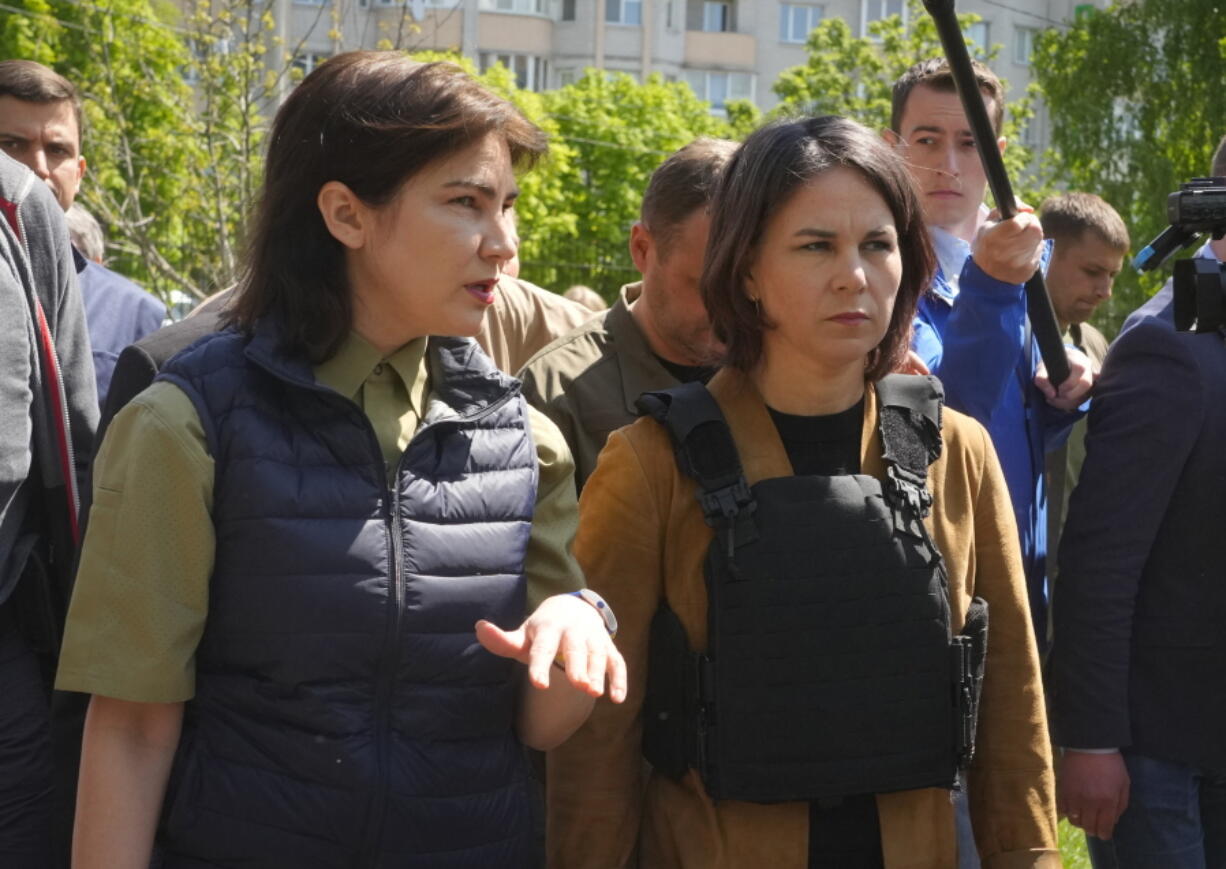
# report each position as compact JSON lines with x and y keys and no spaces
{"x":27,"y":787}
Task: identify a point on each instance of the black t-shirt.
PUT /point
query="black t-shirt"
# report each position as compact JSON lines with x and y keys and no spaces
{"x":845,"y":834}
{"x":687,"y":373}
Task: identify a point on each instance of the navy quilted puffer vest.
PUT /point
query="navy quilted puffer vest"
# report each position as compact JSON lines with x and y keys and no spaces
{"x":345,"y":715}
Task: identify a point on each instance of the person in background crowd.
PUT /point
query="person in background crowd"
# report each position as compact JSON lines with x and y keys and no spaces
{"x":657,"y":334}
{"x":86,"y":234}
{"x":587,"y":297}
{"x":327,"y":575}
{"x":778,"y":581}
{"x":1137,"y":693}
{"x":40,"y":126}
{"x":971,"y":328}
{"x":1089,"y":244}
{"x":48,"y":412}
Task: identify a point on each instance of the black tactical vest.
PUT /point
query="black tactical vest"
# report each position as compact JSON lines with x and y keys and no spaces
{"x":831,"y":668}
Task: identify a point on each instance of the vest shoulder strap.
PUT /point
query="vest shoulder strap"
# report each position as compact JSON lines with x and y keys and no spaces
{"x":910,"y":420}
{"x":704,"y":448}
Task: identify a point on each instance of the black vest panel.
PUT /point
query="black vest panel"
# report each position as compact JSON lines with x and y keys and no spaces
{"x":831,"y":669}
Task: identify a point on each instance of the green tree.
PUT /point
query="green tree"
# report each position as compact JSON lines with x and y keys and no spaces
{"x":854,"y":76}
{"x":128,"y":64}
{"x":1137,"y":105}
{"x":620,"y":131}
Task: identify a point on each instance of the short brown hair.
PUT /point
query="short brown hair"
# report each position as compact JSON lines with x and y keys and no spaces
{"x":774,"y":162}
{"x":934,"y":73}
{"x":32,"y":82}
{"x":1068,"y":216}
{"x":1218,"y":167}
{"x":371,"y":120}
{"x":682,"y":184}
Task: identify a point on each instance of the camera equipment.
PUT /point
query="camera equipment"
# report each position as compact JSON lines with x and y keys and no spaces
{"x":1198,"y":207}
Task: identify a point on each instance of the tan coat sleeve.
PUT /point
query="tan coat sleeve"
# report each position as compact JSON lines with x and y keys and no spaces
{"x":595,"y":780}
{"x":1011,"y":785}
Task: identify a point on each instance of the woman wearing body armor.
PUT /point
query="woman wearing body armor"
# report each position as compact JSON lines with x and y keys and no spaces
{"x":803,"y":557}
{"x":326,"y":577}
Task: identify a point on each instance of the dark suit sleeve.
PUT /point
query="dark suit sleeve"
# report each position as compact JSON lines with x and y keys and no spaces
{"x":1144,"y":420}
{"x":134,"y":372}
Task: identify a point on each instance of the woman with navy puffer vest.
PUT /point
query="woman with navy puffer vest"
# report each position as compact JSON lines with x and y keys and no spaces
{"x":303,"y":604}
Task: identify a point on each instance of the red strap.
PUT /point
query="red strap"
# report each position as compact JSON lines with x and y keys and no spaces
{"x":51,"y":369}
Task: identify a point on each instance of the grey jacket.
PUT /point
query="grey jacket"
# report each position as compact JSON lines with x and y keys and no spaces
{"x":48,"y":407}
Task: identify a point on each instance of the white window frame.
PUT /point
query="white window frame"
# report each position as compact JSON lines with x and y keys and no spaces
{"x":306,"y":61}
{"x":787,"y":33}
{"x":1023,"y":44}
{"x":690,"y":77}
{"x":622,"y":19}
{"x":716,"y":16}
{"x":980,"y":36}
{"x":535,"y":67}
{"x":875,"y":10}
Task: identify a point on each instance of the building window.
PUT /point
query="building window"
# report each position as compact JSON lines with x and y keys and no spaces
{"x":718,"y":88}
{"x":531,"y":72}
{"x":977,"y":39}
{"x":716,"y":17}
{"x":796,"y":22}
{"x":629,"y":12}
{"x":520,"y":7}
{"x":568,"y":10}
{"x":1023,"y":44}
{"x":876,"y":10}
{"x":309,"y":2}
{"x":306,"y":61}
{"x":565,"y":77}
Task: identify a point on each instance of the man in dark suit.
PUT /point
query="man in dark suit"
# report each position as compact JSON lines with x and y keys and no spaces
{"x":1138,"y":664}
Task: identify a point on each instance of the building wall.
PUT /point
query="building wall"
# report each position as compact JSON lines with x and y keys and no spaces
{"x":669,"y":39}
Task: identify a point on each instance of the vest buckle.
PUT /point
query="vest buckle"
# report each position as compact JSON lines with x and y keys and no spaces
{"x":725,"y":503}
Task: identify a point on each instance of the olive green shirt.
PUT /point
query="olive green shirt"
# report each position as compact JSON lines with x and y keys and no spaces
{"x":588,"y":380}
{"x":141,"y":598}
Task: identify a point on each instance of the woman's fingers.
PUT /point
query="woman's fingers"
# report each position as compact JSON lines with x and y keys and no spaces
{"x":505,"y":644}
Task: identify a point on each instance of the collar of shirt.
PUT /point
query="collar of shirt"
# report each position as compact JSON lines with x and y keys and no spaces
{"x":951,"y":254}
{"x":357,"y":362}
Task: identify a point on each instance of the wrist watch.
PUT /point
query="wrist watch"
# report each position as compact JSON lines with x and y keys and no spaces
{"x":601,"y":606}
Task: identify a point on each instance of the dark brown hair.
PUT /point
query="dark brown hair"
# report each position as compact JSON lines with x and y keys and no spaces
{"x":1068,"y":216}
{"x":773,"y":163}
{"x":371,"y":120}
{"x":934,"y":73}
{"x":32,"y":82}
{"x":682,"y":184}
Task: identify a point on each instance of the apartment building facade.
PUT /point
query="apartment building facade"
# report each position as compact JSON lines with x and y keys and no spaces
{"x":724,"y":49}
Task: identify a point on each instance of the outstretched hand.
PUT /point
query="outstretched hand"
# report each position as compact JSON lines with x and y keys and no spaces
{"x":567,"y":625}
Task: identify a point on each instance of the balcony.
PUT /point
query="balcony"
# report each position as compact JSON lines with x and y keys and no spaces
{"x":720,"y":50}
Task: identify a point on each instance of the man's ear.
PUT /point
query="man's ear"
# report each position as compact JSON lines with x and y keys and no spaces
{"x":1000,"y":143}
{"x":81,"y":167}
{"x":641,"y":244}
{"x":891,"y":138}
{"x":345,"y":215}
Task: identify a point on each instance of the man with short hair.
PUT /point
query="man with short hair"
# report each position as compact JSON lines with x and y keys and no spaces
{"x":658,"y":334}
{"x":40,"y":126}
{"x":1089,"y":243}
{"x":971,"y":327}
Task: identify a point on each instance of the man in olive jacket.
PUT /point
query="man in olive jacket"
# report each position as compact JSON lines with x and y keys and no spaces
{"x":657,"y":335}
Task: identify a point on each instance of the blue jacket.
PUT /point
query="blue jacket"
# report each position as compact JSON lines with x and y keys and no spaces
{"x":977,"y":341}
{"x":117,"y":312}
{"x":345,"y":715}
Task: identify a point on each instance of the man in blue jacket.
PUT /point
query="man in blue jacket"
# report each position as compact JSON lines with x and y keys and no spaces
{"x":971,"y":328}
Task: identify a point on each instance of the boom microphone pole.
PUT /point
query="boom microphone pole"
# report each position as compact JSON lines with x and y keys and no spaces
{"x":1038,"y":302}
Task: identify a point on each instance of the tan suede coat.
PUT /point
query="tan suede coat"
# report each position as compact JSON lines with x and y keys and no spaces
{"x":642,"y":539}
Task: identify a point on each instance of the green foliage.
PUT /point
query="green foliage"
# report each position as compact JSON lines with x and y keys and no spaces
{"x":1137,"y":105}
{"x":128,"y":66}
{"x":619,"y":132}
{"x":854,"y":76}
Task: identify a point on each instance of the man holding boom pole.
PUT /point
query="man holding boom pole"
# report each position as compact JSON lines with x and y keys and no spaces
{"x":971,"y":329}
